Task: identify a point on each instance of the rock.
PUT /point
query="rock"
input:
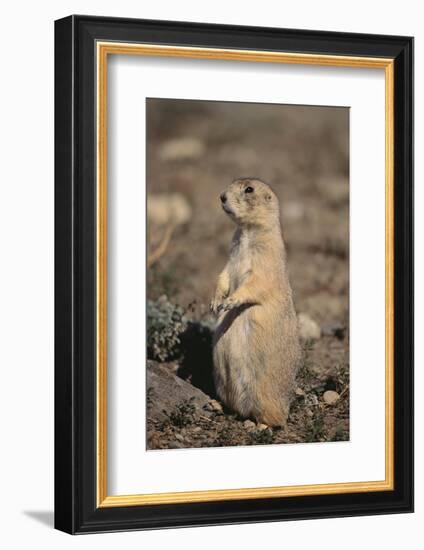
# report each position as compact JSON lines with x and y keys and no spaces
{"x":179,"y":437}
{"x":262,"y":427}
{"x":175,"y":445}
{"x":308,"y":328}
{"x":197,"y":429}
{"x":249,"y":425}
{"x":299,"y":392}
{"x":214,"y":406}
{"x":330,"y":397}
{"x":183,"y":148}
{"x":172,"y":366}
{"x":167,"y":391}
{"x":168,"y":208}
{"x":154,"y":441}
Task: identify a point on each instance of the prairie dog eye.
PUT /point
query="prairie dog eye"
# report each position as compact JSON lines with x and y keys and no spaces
{"x":249,"y":190}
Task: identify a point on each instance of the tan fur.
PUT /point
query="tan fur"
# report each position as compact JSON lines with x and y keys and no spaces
{"x":256,"y":347}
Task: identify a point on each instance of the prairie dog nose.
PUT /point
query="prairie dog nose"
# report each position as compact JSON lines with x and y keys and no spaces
{"x":223,"y":197}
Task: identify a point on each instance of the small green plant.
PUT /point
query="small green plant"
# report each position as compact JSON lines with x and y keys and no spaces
{"x":305,"y":375}
{"x":315,"y":430}
{"x":342,"y":376}
{"x":183,"y":414}
{"x":165,"y":324}
{"x":308,"y":345}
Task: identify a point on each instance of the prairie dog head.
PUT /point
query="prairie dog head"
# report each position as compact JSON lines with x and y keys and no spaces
{"x":250,"y":201}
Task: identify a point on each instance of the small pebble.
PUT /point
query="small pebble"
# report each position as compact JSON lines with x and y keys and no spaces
{"x":262,"y":427}
{"x":174,"y":445}
{"x":214,"y":406}
{"x":249,"y":425}
{"x":330,"y":397}
{"x":179,"y":437}
{"x":154,"y":440}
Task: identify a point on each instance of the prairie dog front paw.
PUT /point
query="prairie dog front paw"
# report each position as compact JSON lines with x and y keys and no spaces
{"x":216,"y":303}
{"x":227,"y":304}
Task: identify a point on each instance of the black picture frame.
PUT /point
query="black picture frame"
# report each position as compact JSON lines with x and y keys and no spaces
{"x":76,"y":510}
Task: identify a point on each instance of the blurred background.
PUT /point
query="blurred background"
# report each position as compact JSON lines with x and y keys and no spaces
{"x":196,"y":148}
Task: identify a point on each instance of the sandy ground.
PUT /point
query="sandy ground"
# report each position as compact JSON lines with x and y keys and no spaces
{"x":196,"y":149}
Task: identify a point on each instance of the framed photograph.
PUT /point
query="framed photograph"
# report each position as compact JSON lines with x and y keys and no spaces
{"x":234,"y":274}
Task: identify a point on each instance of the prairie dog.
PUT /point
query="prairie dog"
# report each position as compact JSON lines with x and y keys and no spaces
{"x":256,"y":347}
